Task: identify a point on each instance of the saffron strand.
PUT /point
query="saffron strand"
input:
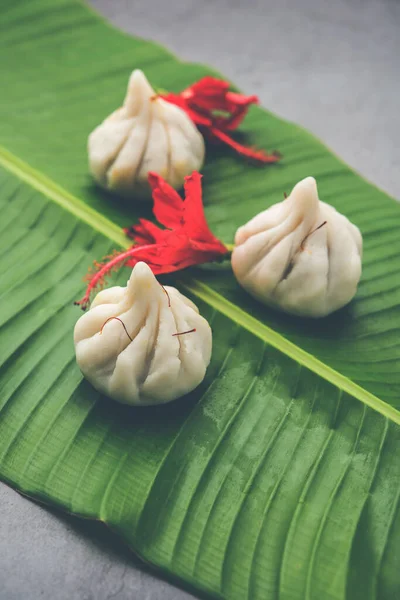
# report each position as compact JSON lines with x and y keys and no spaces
{"x":117,"y":319}
{"x":184,"y":332}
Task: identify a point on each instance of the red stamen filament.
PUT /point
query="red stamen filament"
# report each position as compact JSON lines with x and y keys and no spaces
{"x":311,"y":232}
{"x":184,"y":332}
{"x":105,"y":269}
{"x":117,"y":319}
{"x":260,"y":155}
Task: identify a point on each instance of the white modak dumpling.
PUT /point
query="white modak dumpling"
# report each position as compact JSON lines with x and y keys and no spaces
{"x":137,"y":358}
{"x":145,"y":134}
{"x":300,"y":256}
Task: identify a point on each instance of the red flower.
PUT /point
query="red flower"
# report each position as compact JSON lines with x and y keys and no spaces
{"x":186,"y":241}
{"x":217,"y":111}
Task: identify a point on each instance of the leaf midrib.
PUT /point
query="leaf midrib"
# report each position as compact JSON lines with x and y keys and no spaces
{"x":98,"y":222}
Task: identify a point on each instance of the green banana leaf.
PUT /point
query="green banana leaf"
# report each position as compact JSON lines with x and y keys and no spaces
{"x":278,"y":477}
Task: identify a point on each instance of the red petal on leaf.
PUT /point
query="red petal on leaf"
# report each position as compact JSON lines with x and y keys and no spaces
{"x":145,"y":232}
{"x":207,"y":94}
{"x":196,"y":226}
{"x":168,"y":206}
{"x":161,"y":258}
{"x":197,"y":117}
{"x":214,"y":248}
{"x":188,"y":242}
{"x":239,"y":106}
{"x":210,"y":86}
{"x":217,"y":111}
{"x":252,"y":153}
{"x":210,"y":94}
{"x":237,"y":99}
{"x":129,"y":231}
{"x":195,"y":221}
{"x":179,"y":252}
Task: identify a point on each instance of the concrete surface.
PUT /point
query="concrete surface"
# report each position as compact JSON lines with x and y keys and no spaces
{"x":332,"y":66}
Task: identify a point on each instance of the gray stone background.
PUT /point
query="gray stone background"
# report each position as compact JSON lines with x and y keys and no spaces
{"x":331,"y":65}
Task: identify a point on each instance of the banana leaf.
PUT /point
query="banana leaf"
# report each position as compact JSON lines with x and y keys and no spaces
{"x":278,"y":477}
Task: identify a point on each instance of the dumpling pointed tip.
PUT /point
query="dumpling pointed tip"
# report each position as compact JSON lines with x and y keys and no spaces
{"x":137,"y":76}
{"x":142,"y":278}
{"x":141,"y":271}
{"x":138,"y":94}
{"x":305,"y":194}
{"x":304,"y":198}
{"x":139,"y":81}
{"x":307,"y":185}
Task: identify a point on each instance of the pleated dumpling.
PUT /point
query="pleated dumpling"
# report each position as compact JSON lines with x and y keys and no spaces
{"x":300,"y":256}
{"x":143,"y":344}
{"x":146,"y":134}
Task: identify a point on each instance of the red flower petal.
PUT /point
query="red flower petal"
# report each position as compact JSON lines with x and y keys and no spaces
{"x":193,"y":114}
{"x":239,"y":106}
{"x":145,"y":232}
{"x":187,"y":242}
{"x":196,"y":226}
{"x":195,"y":221}
{"x":207,"y":94}
{"x":252,"y":153}
{"x":217,"y":111}
{"x":168,"y":206}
